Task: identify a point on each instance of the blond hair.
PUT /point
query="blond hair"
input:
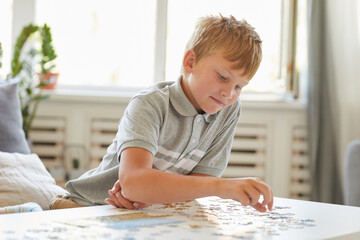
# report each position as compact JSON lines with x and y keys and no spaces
{"x":237,"y":40}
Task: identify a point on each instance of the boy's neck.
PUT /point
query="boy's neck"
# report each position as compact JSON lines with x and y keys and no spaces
{"x":185,"y":87}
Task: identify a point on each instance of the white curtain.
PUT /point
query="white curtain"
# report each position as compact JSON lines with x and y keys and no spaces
{"x":344,"y":16}
{"x":334,"y":91}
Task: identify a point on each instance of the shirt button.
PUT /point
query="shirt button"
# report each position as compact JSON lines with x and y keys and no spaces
{"x":198,"y":119}
{"x":193,"y":140}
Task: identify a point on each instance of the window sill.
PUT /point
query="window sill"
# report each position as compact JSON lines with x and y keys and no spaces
{"x":248,"y":100}
{"x":90,"y":96}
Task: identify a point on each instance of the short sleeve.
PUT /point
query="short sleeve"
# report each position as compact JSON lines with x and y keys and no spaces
{"x":139,"y":126}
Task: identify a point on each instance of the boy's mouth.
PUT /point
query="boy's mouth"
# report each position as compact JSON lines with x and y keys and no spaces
{"x":218,"y":102}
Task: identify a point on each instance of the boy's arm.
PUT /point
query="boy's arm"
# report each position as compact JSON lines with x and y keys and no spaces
{"x":141,"y":183}
{"x":121,"y":201}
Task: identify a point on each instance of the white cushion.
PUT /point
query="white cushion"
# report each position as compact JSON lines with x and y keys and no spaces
{"x":24,"y":178}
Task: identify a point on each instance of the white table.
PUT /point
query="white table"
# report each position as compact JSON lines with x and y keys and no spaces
{"x":205,"y":218}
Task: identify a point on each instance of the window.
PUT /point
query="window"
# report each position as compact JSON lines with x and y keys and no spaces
{"x":135,"y":43}
{"x":101,"y":43}
{"x":5,"y":36}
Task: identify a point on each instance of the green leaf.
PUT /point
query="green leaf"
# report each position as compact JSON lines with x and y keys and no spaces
{"x":16,"y":64}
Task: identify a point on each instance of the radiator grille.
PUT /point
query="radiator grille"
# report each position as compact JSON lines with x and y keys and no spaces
{"x":103,"y":131}
{"x":248,"y":153}
{"x":300,"y":173}
{"x":47,"y":137}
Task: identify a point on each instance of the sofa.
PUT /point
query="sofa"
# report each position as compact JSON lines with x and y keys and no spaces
{"x":352,"y":174}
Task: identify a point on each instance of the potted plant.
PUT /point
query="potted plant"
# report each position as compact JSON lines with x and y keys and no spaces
{"x":30,"y":89}
{"x":48,"y":56}
{"x":30,"y":94}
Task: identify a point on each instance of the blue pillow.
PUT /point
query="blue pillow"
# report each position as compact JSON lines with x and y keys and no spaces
{"x":12,"y":135}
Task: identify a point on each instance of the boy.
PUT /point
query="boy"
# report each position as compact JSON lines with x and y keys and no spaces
{"x":174,"y":140}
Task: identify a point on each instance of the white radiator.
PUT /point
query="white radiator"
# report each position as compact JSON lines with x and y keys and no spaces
{"x":103,"y":131}
{"x":248,"y":153}
{"x":300,"y":173}
{"x":48,"y":139}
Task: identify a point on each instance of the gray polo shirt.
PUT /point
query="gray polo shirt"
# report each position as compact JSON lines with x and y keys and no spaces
{"x":162,"y":120}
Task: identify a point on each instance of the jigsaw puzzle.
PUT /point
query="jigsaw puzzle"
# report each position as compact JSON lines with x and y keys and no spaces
{"x":207,"y":218}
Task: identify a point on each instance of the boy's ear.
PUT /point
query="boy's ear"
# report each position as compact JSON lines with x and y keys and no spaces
{"x":189,"y":60}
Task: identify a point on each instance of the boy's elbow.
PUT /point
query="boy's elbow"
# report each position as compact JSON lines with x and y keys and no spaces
{"x":130,"y":187}
{"x":125,"y":183}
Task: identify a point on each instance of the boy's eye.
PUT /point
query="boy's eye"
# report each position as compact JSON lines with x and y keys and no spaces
{"x":222,"y":77}
{"x":237,"y":87}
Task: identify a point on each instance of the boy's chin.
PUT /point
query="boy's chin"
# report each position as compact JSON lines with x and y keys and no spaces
{"x":211,"y":111}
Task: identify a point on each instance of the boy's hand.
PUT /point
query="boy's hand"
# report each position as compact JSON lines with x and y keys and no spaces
{"x":118,"y":200}
{"x":248,"y":191}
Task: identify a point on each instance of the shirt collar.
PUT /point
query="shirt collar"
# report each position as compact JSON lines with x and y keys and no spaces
{"x":183,"y":105}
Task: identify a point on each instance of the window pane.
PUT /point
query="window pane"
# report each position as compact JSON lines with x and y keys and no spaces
{"x":182,"y":16}
{"x":5,"y":36}
{"x":98,"y":42}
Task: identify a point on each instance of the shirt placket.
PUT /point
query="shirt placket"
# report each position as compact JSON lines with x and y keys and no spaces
{"x":195,"y":135}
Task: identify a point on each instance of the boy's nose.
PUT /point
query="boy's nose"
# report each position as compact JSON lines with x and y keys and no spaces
{"x":227,"y":93}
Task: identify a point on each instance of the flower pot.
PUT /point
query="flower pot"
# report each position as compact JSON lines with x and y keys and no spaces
{"x":49,"y":79}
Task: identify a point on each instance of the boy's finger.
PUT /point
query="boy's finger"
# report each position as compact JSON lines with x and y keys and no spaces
{"x":126,"y":203}
{"x":259,"y":207}
{"x":116,"y":187}
{"x":254,"y":195}
{"x":266,"y":192}
{"x":141,"y":205}
{"x":270,"y":204}
{"x":107,"y":200}
{"x":116,"y":200}
{"x":113,"y":198}
{"x":244,"y":198}
{"x":110,"y":201}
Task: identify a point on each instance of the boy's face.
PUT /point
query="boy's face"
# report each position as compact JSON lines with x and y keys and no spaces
{"x":211,"y":84}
